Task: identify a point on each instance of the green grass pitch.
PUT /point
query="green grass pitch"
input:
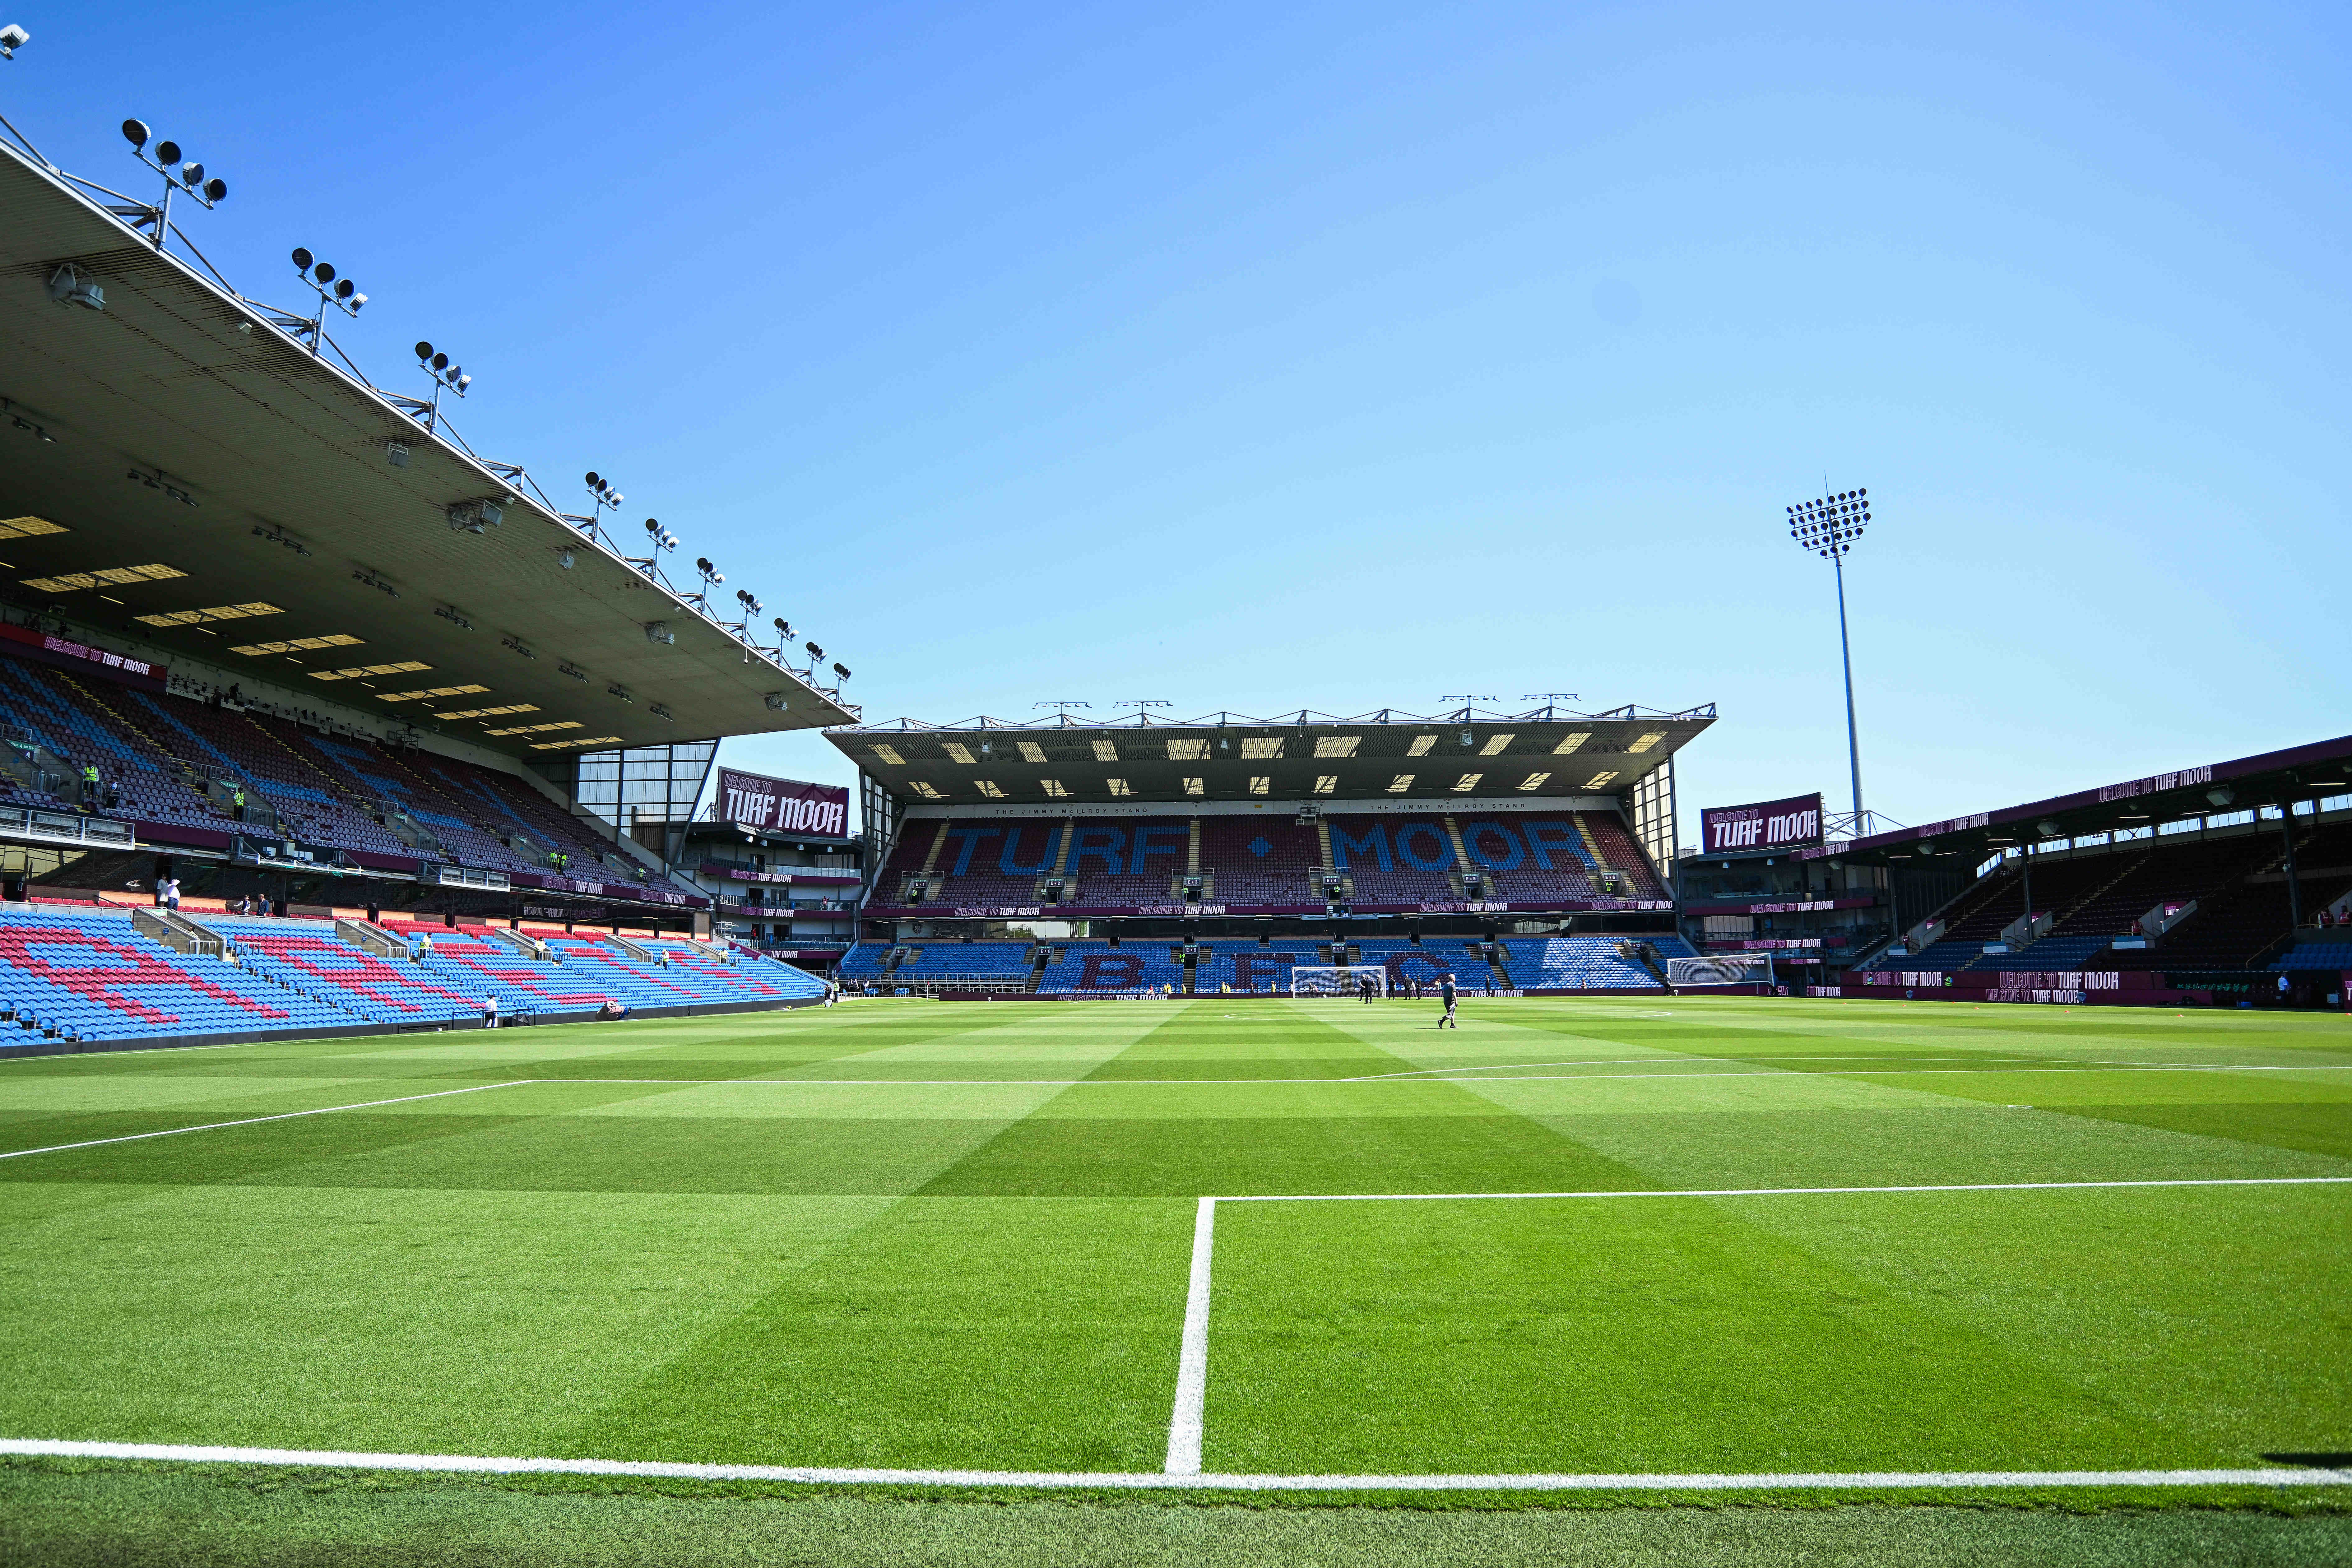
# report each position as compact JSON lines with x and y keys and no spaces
{"x":909,"y":1235}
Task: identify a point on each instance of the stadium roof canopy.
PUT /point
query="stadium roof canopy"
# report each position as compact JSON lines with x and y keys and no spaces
{"x":199,"y":479}
{"x":1472,"y":753}
{"x":2278,"y":779}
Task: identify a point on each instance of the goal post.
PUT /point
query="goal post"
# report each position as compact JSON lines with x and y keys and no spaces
{"x":1722,"y":969}
{"x":1337,"y":979}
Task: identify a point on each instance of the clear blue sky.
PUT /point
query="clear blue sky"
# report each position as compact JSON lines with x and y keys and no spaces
{"x":1350,"y":355}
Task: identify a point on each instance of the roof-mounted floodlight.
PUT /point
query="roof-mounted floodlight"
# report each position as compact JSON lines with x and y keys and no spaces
{"x":842,"y":670}
{"x":446,"y":376}
{"x":12,"y":38}
{"x":320,"y":279}
{"x":814,"y":653}
{"x":188,"y":178}
{"x":783,"y":629}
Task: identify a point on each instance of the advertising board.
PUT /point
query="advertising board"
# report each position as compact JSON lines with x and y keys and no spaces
{"x":784,"y":805}
{"x":1765,"y":824}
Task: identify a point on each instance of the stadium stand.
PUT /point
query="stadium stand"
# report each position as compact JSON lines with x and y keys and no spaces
{"x":1260,"y":860}
{"x":86,"y":974}
{"x":165,"y":759}
{"x":1245,"y":966}
{"x":1584,"y":964}
{"x":1132,"y":862}
{"x":2237,"y":885}
{"x":1079,"y":967}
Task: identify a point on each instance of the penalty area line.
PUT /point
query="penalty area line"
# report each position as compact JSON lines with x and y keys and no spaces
{"x":250,"y":1121}
{"x":1162,"y":1480}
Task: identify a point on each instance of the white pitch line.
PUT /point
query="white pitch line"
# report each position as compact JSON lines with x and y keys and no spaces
{"x":1959,"y":1064}
{"x":1162,"y":1480}
{"x":1783,"y":1192}
{"x":1192,"y":1364}
{"x":1408,"y":1082}
{"x":1851,"y":1072}
{"x":249,"y":1120}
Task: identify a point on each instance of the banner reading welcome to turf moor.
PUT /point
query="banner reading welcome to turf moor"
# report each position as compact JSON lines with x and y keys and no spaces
{"x":751,"y":800}
{"x":1766,"y":825}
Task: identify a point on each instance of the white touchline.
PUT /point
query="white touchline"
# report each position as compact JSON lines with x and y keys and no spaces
{"x":1192,"y":1362}
{"x":1953,"y":1064}
{"x":1788,"y":1192}
{"x":464,"y":1464}
{"x":249,"y":1120}
{"x":1411,"y":1080}
{"x":1186,"y":1420}
{"x":1849,"y":1072}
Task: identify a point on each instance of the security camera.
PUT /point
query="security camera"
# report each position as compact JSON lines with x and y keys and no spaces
{"x":12,"y":38}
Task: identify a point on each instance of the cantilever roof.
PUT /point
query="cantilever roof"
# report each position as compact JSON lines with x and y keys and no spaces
{"x":299,"y":512}
{"x":1068,"y":759}
{"x":2320,"y":771}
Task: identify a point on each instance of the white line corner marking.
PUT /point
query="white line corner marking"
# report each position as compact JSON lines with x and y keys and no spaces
{"x":1186,"y":1420}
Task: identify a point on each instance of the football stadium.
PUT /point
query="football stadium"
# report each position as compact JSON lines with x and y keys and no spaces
{"x":1290,"y":1137}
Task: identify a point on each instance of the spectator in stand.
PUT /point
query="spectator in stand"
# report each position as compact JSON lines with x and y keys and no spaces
{"x":423,"y":946}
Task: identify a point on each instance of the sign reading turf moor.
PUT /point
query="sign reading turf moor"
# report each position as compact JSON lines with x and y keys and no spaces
{"x":1766,"y":824}
{"x":749,"y":800}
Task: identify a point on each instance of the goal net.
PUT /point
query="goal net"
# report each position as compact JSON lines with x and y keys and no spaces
{"x":1723,"y":969}
{"x":1338,"y":980}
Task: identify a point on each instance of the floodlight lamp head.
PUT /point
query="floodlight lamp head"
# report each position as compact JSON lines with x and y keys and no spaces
{"x":784,"y":627}
{"x":192,"y":175}
{"x":302,"y":259}
{"x":167,"y":151}
{"x":653,"y":528}
{"x":325,"y":272}
{"x":346,"y":289}
{"x":135,"y":132}
{"x":216,"y":190}
{"x":842,"y":670}
{"x":463,"y":382}
{"x":593,"y":482}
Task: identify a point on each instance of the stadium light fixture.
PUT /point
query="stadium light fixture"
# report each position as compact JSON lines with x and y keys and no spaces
{"x":12,"y":38}
{"x":447,"y":377}
{"x":189,"y":178}
{"x":320,"y":279}
{"x":1830,"y":526}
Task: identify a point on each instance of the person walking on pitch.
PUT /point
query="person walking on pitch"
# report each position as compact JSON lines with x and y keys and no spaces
{"x":1445,"y":995}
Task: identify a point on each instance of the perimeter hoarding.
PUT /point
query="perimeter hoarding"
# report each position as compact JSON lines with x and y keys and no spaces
{"x":784,"y":805}
{"x":1765,"y":824}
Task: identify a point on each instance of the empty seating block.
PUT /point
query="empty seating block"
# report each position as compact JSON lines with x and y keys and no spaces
{"x":88,"y":974}
{"x":1583,"y":963}
{"x":1081,"y":967}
